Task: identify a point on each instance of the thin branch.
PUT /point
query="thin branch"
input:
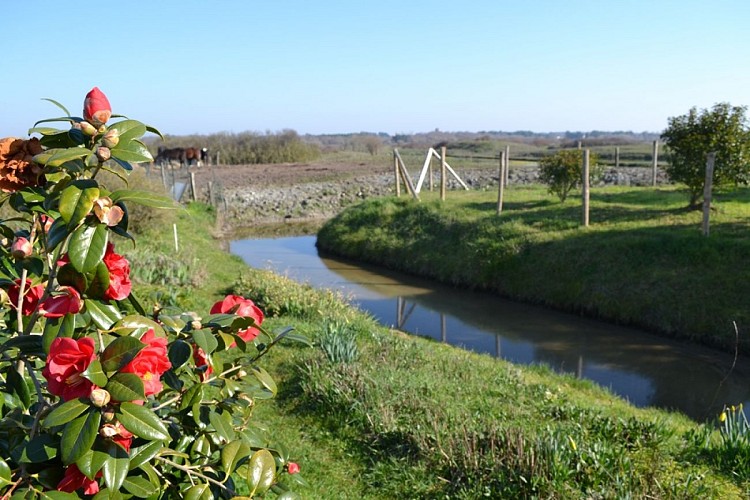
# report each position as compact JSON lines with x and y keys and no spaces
{"x":191,"y":472}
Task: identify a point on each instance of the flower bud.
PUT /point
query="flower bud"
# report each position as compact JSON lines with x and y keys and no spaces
{"x":111,"y":138}
{"x":99,"y":397}
{"x":103,"y":153}
{"x":86,"y":128}
{"x":108,"y":431}
{"x":292,"y":468}
{"x":21,"y":248}
{"x":96,"y":107}
{"x":108,"y":414}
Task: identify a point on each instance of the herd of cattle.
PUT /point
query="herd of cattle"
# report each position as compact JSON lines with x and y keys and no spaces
{"x":186,"y":157}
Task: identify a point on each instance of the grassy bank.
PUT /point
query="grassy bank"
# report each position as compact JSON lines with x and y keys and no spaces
{"x":642,"y":262}
{"x":370,"y":413}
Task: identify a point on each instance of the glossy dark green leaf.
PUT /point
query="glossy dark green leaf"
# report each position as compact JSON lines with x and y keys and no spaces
{"x":56,"y":495}
{"x":18,"y":386}
{"x":192,"y":396}
{"x":70,"y":276}
{"x":126,"y":387}
{"x":40,"y":448}
{"x":115,"y":467}
{"x":77,"y":200}
{"x":107,"y":494}
{"x":264,"y":378}
{"x":222,"y":423}
{"x":205,"y":340}
{"x":56,"y":156}
{"x":142,"y":422}
{"x":133,"y":150}
{"x":30,"y":345}
{"x":5,"y":473}
{"x":57,"y":327}
{"x":172,"y":380}
{"x":261,"y":472}
{"x":179,"y":353}
{"x":92,"y":461}
{"x":135,"y":325}
{"x":232,"y":453}
{"x":57,"y":234}
{"x":103,"y":315}
{"x":78,"y":435}
{"x":120,"y":352}
{"x":87,"y":246}
{"x":144,"y":454}
{"x":95,"y":373}
{"x":99,"y":282}
{"x":198,"y":492}
{"x":66,"y":412}
{"x":139,"y":487}
{"x":128,"y":130}
{"x":145,"y":198}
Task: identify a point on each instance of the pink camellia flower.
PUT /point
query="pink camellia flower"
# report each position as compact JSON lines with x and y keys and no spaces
{"x":119,"y":274}
{"x":292,"y":468}
{"x":74,"y":479}
{"x":31,"y":298}
{"x":66,"y":300}
{"x":66,"y":361}
{"x":96,"y":107}
{"x":234,"y":304}
{"x":21,"y":248}
{"x":203,"y":363}
{"x":45,"y":222}
{"x":150,"y":363}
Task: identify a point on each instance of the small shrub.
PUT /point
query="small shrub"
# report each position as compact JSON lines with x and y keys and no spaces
{"x":339,"y":343}
{"x":563,"y":171}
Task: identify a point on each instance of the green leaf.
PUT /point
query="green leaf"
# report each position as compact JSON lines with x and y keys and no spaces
{"x":64,"y":109}
{"x":145,"y":198}
{"x":77,"y":200}
{"x":205,"y":340}
{"x":222,"y":422}
{"x":232,"y":453}
{"x":95,"y":373}
{"x":5,"y":473}
{"x":126,"y":387}
{"x":92,"y":462}
{"x":132,"y":150}
{"x":115,"y":467}
{"x":30,"y":345}
{"x":135,"y":325}
{"x":57,"y":234}
{"x":261,"y":472}
{"x":198,"y":492}
{"x":107,"y":494}
{"x":99,"y":282}
{"x":264,"y":378}
{"x":120,"y":352}
{"x":128,"y":130}
{"x":68,"y":275}
{"x":87,"y":246}
{"x":41,"y":448}
{"x":142,"y":422}
{"x":78,"y":436}
{"x":60,"y":156}
{"x":139,"y":487}
{"x":103,"y":315}
{"x":179,"y":353}
{"x":144,"y":454}
{"x":66,"y":412}
{"x":17,"y":384}
{"x":192,"y":396}
{"x":56,"y":495}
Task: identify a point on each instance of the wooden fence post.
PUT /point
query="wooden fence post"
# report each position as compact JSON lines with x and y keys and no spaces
{"x":163,"y":176}
{"x":501,"y":181}
{"x":655,"y":156}
{"x":192,"y":186}
{"x":430,"y":171}
{"x":398,"y":176}
{"x":707,"y":187}
{"x":442,"y":173}
{"x":617,"y":157}
{"x":211,"y":200}
{"x":586,"y":157}
{"x":507,"y":164}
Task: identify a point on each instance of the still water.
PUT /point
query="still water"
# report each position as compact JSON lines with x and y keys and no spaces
{"x":645,"y":369}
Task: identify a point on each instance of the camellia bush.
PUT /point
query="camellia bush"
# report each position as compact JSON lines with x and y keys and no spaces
{"x":99,"y":397}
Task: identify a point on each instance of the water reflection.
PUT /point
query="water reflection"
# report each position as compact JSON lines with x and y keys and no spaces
{"x":645,"y":369}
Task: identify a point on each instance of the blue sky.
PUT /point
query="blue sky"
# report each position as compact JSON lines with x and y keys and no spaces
{"x":392,"y":66}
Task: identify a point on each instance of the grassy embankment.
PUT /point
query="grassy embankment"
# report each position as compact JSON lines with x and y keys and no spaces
{"x":643,"y":261}
{"x":380,"y":415}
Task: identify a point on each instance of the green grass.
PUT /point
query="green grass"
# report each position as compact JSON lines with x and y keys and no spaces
{"x":643,"y":261}
{"x":405,"y":417}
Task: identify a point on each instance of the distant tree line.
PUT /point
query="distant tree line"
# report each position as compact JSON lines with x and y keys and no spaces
{"x":247,"y":147}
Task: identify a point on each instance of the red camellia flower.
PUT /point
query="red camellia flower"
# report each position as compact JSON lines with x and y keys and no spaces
{"x":119,"y":274}
{"x":31,"y":298}
{"x":234,"y":304}
{"x":74,"y":479}
{"x":66,"y":300}
{"x":150,"y":363}
{"x":66,"y":361}
{"x":203,"y":363}
{"x":96,"y":108}
{"x":292,"y":468}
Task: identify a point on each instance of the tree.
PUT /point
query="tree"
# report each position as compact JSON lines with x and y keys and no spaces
{"x":690,"y":137}
{"x":563,"y":171}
